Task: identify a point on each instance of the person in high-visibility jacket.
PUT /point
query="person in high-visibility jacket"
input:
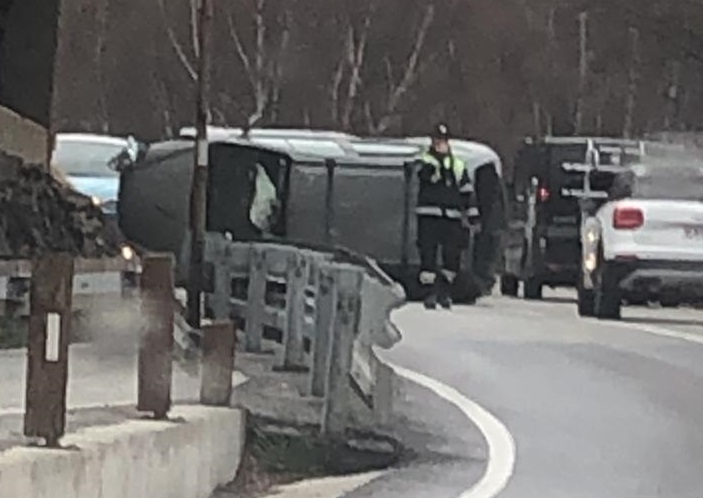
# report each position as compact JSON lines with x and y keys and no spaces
{"x":444,"y":200}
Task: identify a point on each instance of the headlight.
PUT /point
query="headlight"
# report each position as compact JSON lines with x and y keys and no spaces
{"x":590,"y":262}
{"x":591,"y":236}
{"x":97,"y":201}
{"x":127,"y":253}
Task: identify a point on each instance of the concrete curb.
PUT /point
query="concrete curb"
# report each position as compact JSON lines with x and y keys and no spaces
{"x":187,"y":458}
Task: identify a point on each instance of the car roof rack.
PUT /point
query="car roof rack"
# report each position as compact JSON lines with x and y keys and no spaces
{"x":592,"y":162}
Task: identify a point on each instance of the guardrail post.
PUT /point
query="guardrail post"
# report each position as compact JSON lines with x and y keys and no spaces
{"x":47,"y":347}
{"x":348,"y":281}
{"x":256,"y":300}
{"x":325,"y":300}
{"x":383,"y":393}
{"x":156,"y":338}
{"x":293,"y":347}
{"x":218,"y":363}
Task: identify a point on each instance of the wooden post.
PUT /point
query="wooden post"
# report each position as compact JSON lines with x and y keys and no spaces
{"x":218,"y":363}
{"x":293,"y":350}
{"x":325,"y":300}
{"x":47,"y":348}
{"x":156,"y":340}
{"x":198,"y":197}
{"x":256,"y":300}
{"x":337,"y":386}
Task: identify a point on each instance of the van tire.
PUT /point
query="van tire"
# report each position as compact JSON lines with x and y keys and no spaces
{"x":509,"y":285}
{"x":532,"y":289}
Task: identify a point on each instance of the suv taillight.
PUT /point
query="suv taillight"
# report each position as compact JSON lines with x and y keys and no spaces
{"x":543,"y":194}
{"x":627,"y":218}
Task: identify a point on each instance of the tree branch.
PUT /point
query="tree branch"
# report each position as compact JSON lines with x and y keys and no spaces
{"x":176,"y":45}
{"x":412,"y":70}
{"x":356,"y":53}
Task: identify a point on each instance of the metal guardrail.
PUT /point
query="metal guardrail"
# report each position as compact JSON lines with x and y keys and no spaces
{"x":330,"y":316}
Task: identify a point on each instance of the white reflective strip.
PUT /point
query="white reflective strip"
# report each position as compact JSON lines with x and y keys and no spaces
{"x":52,"y":345}
{"x":427,"y":277}
{"x":466,"y":189}
{"x":582,"y":194}
{"x":428,"y":210}
{"x":583,"y":168}
{"x":203,"y":153}
{"x":449,"y":275}
{"x":449,"y":213}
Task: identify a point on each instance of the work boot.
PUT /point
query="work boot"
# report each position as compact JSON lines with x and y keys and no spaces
{"x":430,"y":300}
{"x":445,"y":295}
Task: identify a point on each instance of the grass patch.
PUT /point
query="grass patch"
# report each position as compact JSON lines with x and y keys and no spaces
{"x":278,"y":455}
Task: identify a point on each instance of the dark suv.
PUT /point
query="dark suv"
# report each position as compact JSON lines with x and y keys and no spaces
{"x":543,"y":242}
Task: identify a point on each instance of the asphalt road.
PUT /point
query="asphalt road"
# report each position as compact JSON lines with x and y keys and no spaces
{"x":596,"y":409}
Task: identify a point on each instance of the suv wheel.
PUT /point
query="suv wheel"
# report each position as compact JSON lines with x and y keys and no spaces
{"x":608,"y":296}
{"x":508,"y":285}
{"x":586,"y":301}
{"x":532,"y":289}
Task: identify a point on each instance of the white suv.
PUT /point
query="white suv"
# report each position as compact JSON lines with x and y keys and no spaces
{"x":645,"y":242}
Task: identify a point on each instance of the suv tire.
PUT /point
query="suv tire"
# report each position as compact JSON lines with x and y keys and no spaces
{"x":532,"y":289}
{"x":586,"y":300}
{"x":509,"y":285}
{"x":608,"y":296}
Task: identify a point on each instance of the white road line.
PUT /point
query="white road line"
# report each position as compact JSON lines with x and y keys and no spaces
{"x":501,"y":445}
{"x":660,"y":331}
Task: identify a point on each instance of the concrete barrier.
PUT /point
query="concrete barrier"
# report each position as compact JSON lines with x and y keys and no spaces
{"x":186,"y":458}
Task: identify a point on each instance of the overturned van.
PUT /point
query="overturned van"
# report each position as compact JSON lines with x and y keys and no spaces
{"x":326,"y":190}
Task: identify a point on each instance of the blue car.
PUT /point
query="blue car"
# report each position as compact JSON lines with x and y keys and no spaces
{"x":91,"y":163}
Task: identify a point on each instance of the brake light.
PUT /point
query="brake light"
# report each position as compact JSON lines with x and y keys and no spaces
{"x":543,"y":194}
{"x":627,"y":218}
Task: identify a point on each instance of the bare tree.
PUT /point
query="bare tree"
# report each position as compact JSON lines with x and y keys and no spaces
{"x":185,"y":60}
{"x":263,"y":61}
{"x":413,"y":68}
{"x":633,"y":78}
{"x":101,"y":12}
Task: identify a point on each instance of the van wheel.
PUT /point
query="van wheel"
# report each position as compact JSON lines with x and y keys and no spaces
{"x":532,"y":289}
{"x":508,"y":285}
{"x":669,"y":302}
{"x":586,"y":302}
{"x":608,"y":296}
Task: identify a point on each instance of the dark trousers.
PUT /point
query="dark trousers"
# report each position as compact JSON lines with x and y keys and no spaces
{"x":439,"y":236}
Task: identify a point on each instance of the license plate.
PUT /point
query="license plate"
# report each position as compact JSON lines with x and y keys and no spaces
{"x":693,"y":232}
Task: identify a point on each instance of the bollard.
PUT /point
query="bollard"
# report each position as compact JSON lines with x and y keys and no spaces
{"x":156,"y":337}
{"x":219,"y":342}
{"x":336,"y":404}
{"x":47,"y":347}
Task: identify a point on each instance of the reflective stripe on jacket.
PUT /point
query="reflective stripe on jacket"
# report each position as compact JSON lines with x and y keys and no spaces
{"x":445,"y":187}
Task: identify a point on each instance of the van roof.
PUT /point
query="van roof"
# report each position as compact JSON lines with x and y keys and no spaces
{"x":91,"y":138}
